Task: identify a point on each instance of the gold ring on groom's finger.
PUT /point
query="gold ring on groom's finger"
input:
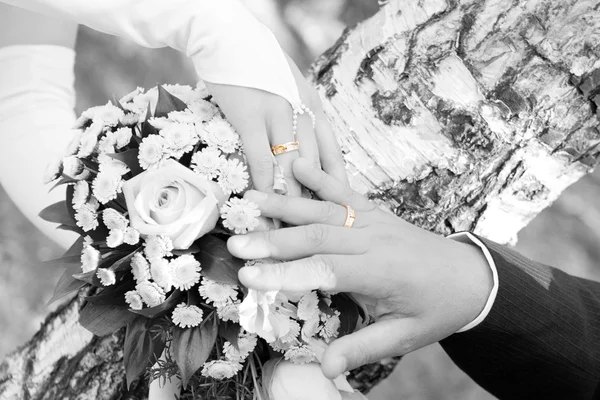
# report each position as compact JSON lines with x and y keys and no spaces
{"x":350,"y":216}
{"x":285,"y":148}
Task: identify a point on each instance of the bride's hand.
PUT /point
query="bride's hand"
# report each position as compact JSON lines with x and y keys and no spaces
{"x":264,"y":120}
{"x":421,"y":287}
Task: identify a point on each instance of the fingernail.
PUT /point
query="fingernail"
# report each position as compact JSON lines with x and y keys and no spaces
{"x":243,"y":246}
{"x":240,"y":241}
{"x":249,"y":273}
{"x":343,"y":365}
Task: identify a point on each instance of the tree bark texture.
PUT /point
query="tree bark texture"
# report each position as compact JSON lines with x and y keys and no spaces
{"x":456,"y":115}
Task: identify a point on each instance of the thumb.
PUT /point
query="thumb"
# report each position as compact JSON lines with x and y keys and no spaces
{"x":385,"y":338}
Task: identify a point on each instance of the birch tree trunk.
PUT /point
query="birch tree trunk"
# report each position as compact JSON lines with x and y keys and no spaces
{"x":455,"y":115}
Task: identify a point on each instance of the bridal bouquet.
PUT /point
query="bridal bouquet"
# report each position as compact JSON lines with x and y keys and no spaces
{"x":154,"y":186}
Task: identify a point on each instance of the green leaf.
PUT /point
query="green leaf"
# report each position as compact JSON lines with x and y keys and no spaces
{"x":147,"y":128}
{"x":104,"y":320}
{"x":130,"y":158}
{"x":63,"y":181}
{"x":75,"y":229}
{"x":324,"y":308}
{"x":217,"y":263}
{"x":64,"y":262}
{"x":118,"y":104}
{"x":123,"y":264}
{"x":69,"y":202}
{"x":167,"y":103}
{"x":192,"y":347}
{"x":140,"y":351}
{"x":76,"y":248}
{"x":230,"y":331}
{"x":112,"y":295}
{"x":161,"y":309}
{"x":348,"y":310}
{"x":67,"y":284}
{"x":57,"y":213}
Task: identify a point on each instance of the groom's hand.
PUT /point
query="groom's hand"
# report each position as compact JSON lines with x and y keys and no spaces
{"x":420,"y":287}
{"x":264,"y":120}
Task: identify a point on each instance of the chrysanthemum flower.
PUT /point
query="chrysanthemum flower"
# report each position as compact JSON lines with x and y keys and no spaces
{"x":151,"y":293}
{"x":331,"y":326}
{"x":114,"y":219}
{"x":152,"y":151}
{"x":86,"y":216}
{"x":308,"y":306}
{"x":161,"y":273}
{"x":159,"y":122}
{"x":240,"y":215}
{"x":158,"y":246}
{"x":230,"y":311}
{"x":89,"y":258}
{"x":233,"y":178}
{"x":106,"y":186}
{"x":140,"y":268}
{"x":246,"y":344}
{"x":186,"y":271}
{"x":208,"y":162}
{"x":221,"y":369}
{"x":107,"y":114}
{"x":292,"y":335}
{"x":73,"y":146}
{"x":89,"y":140}
{"x":300,"y":354}
{"x":201,"y":90}
{"x":107,"y":143}
{"x":132,"y":236}
{"x":81,"y":194}
{"x":205,"y":110}
{"x":110,"y":165}
{"x":282,"y":347}
{"x":217,"y":293}
{"x":115,"y":238}
{"x":219,"y":133}
{"x":122,"y":137}
{"x":179,"y":139}
{"x":53,"y":171}
{"x":310,"y":328}
{"x":185,"y":316}
{"x":183,"y":117}
{"x":131,"y":95}
{"x":184,"y":93}
{"x":72,"y":166}
{"x":134,"y":300}
{"x":107,"y":277}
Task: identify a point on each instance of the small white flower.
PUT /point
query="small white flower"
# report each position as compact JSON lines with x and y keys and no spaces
{"x":80,"y":194}
{"x":183,"y":117}
{"x":107,"y":115}
{"x":130,"y":96}
{"x":240,"y":215}
{"x":152,"y":151}
{"x":134,"y":300}
{"x":179,"y":139}
{"x":132,"y":236}
{"x":73,"y":146}
{"x":221,"y":369}
{"x":159,"y":123}
{"x":184,"y":93}
{"x":308,"y":306}
{"x":107,"y":143}
{"x":185,"y":316}
{"x":115,"y":238}
{"x":72,"y":166}
{"x":106,"y":186}
{"x":310,"y":329}
{"x":89,"y":258}
{"x":122,"y":137}
{"x":110,"y":165}
{"x":208,"y":162}
{"x":331,"y":327}
{"x":114,"y":219}
{"x":217,"y":293}
{"x":86,"y":216}
{"x":234,"y":177}
{"x":106,"y":276}
{"x":202,"y":90}
{"x":140,"y":268}
{"x":186,"y":271}
{"x":130,"y":119}
{"x":292,"y":335}
{"x":161,"y":273}
{"x":229,"y":311}
{"x":53,"y":171}
{"x":219,"y":133}
{"x":151,"y":293}
{"x":158,"y":246}
{"x":282,"y":347}
{"x":89,"y":140}
{"x":204,"y":110}
{"x":246,"y":344}
{"x":300,"y":354}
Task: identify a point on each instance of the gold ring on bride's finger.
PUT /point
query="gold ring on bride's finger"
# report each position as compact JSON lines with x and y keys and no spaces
{"x":285,"y":148}
{"x":350,"y":216}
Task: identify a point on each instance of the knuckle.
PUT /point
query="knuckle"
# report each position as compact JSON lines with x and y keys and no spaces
{"x":323,"y":270}
{"x":315,"y":235}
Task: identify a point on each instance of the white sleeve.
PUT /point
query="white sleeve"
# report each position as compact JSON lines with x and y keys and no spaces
{"x":226,"y":43}
{"x":468,"y":238}
{"x":36,"y":116}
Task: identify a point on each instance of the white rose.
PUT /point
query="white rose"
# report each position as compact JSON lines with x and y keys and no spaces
{"x":172,"y":200}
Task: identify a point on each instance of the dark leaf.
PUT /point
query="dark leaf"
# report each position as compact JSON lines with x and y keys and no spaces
{"x":112,"y":295}
{"x":123,"y":264}
{"x":117,"y":103}
{"x":324,"y":308}
{"x":167,"y":103}
{"x":138,"y":349}
{"x":217,"y":263}
{"x":194,"y":248}
{"x":192,"y":347}
{"x":67,"y":284}
{"x":147,"y":128}
{"x":57,"y":213}
{"x":130,"y":158}
{"x":91,"y":165}
{"x":104,"y":320}
{"x":161,"y":309}
{"x":69,"y":202}
{"x":64,"y":262}
{"x":75,"y":229}
{"x":348,"y":310}
{"x":90,"y":277}
{"x":230,"y":331}
{"x":63,"y":181}
{"x":76,"y":248}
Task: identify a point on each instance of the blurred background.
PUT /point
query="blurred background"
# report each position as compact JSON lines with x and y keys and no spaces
{"x":566,"y":235}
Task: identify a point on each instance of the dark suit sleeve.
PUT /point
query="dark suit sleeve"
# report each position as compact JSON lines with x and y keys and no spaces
{"x":541,"y":339}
